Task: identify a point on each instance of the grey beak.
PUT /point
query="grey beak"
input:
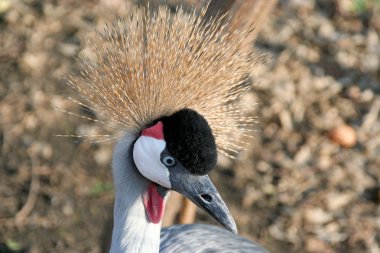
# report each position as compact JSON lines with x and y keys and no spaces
{"x":201,"y":191}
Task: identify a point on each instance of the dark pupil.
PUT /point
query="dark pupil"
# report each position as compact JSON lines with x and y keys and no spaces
{"x":169,"y":161}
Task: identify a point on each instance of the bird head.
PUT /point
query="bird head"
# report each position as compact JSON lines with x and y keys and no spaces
{"x":177,"y":152}
{"x":147,"y":66}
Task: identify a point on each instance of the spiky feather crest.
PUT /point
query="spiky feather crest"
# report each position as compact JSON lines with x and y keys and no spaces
{"x":153,"y":65}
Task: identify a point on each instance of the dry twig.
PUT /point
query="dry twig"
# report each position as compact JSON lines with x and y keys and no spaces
{"x":32,"y":196}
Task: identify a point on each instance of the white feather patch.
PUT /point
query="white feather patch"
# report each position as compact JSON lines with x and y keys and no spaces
{"x":146,"y":154}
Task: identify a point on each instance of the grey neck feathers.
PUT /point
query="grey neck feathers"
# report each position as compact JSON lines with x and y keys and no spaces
{"x":132,"y":232}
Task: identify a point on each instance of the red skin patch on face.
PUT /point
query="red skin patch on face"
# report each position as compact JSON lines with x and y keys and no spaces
{"x":155,"y":131}
{"x":154,"y":203}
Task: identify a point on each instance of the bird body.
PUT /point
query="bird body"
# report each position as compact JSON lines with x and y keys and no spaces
{"x":193,"y":238}
{"x":170,"y":83}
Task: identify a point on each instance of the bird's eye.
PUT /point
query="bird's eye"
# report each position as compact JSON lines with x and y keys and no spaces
{"x":168,"y":160}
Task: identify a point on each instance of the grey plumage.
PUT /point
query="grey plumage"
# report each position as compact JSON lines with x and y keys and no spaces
{"x":201,"y":238}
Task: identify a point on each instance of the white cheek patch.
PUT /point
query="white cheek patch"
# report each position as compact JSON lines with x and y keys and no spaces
{"x":146,"y":154}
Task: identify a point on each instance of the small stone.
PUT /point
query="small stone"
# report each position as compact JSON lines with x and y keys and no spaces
{"x":373,"y":40}
{"x":5,"y":5}
{"x":39,"y":98}
{"x":31,"y":122}
{"x":34,"y":63}
{"x":251,"y":195}
{"x":367,"y":95}
{"x":370,"y":62}
{"x":314,"y":245}
{"x":60,"y":102}
{"x":317,"y":216}
{"x":68,"y":49}
{"x":332,"y":227}
{"x":41,"y":149}
{"x":286,"y":120}
{"x":303,"y":155}
{"x":103,"y":156}
{"x":224,"y":162}
{"x":327,"y":31}
{"x":344,"y":6}
{"x":346,"y":59}
{"x":354,"y":93}
{"x":337,"y":201}
{"x":47,"y":151}
{"x":68,"y":209}
{"x":344,"y":135}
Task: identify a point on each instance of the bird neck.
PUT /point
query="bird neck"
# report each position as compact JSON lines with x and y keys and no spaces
{"x":132,"y":231}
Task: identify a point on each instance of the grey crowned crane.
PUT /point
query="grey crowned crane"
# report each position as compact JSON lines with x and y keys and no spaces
{"x":170,"y":82}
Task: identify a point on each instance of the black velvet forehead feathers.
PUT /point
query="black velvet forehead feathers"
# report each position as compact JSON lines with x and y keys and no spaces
{"x":189,"y":138}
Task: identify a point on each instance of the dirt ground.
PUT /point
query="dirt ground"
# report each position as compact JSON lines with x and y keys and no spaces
{"x":310,"y":182}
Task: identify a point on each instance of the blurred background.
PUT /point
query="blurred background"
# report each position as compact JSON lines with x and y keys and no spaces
{"x":308,"y":183}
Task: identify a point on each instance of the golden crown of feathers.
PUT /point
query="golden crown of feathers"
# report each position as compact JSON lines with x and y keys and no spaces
{"x":149,"y":65}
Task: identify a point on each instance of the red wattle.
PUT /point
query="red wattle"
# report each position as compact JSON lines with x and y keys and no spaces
{"x":155,"y":131}
{"x":154,"y":204}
